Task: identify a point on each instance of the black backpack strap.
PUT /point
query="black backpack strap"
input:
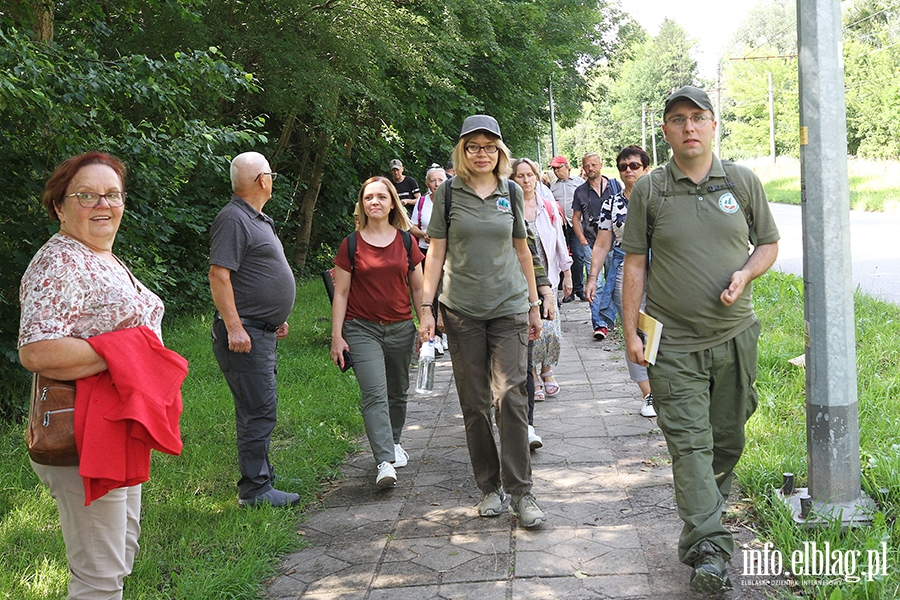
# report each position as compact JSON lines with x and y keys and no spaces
{"x":351,"y":251}
{"x":407,"y":243}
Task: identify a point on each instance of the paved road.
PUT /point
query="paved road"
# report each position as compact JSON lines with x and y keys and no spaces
{"x":603,"y":478}
{"x":874,"y":246}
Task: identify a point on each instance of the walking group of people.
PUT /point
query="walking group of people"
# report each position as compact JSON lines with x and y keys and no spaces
{"x":499,"y":247}
{"x":491,"y":249}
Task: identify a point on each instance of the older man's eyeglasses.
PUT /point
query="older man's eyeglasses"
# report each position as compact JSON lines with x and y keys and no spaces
{"x":92,"y":199}
{"x":629,"y":166}
{"x":699,"y":120}
{"x":274,"y":176}
{"x":475,"y":148}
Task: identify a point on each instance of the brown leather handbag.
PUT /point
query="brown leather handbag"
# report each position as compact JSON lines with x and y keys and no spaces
{"x":51,"y":422}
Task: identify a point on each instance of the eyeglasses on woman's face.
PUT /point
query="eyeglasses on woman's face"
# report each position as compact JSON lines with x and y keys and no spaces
{"x":92,"y":199}
{"x":476,"y":148}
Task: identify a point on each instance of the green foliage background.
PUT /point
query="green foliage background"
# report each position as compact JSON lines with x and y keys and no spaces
{"x":331,"y":91}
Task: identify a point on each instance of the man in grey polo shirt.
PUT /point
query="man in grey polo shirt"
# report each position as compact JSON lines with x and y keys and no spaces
{"x":246,"y":258}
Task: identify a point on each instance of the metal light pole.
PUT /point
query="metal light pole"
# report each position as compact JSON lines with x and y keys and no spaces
{"x":552,"y":121}
{"x":832,"y":420}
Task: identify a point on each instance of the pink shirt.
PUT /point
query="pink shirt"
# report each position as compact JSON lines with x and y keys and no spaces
{"x":68,"y":291}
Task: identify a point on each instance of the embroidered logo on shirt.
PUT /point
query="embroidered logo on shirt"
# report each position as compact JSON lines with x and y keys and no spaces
{"x":728,"y":203}
{"x":503,"y":204}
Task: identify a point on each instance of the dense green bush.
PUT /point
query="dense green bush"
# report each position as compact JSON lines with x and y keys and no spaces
{"x":57,"y":101}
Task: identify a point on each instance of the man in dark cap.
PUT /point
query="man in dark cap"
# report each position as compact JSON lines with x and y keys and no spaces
{"x":699,"y":215}
{"x":407,"y":187}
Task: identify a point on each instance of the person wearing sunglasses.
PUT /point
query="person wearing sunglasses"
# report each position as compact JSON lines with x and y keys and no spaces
{"x":689,"y":232}
{"x":633,"y":163}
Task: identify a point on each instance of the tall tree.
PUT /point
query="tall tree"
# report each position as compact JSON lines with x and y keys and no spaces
{"x":661,"y":65}
{"x":871,"y":64}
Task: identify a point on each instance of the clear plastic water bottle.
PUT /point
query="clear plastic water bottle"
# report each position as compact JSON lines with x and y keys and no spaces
{"x":425,"y":376}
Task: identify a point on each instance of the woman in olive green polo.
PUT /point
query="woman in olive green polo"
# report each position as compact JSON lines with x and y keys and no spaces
{"x":488,"y":285}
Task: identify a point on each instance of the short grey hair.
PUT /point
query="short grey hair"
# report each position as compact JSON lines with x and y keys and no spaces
{"x":245,"y":167}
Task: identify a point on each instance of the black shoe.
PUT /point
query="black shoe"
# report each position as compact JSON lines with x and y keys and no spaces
{"x":710,"y":574}
{"x":273,"y":497}
{"x":582,"y":296}
{"x":569,"y":298}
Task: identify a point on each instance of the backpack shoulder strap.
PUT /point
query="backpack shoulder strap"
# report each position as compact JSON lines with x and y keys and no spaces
{"x":742,"y":199}
{"x":407,"y":243}
{"x":448,"y":199}
{"x":512,"y":196}
{"x":419,"y":206}
{"x":658,"y":184}
{"x":351,"y":251}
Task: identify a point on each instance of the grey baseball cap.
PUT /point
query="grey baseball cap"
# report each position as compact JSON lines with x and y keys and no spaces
{"x":691,"y":93}
{"x":480,"y":123}
{"x":395,"y":164}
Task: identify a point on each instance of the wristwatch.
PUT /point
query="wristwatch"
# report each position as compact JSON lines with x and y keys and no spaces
{"x":535,"y":303}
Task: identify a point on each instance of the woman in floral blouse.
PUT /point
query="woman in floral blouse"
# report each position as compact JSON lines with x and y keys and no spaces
{"x":76,"y":288}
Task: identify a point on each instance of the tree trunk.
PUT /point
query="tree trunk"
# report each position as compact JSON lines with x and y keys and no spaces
{"x":36,"y":15}
{"x":308,"y":204}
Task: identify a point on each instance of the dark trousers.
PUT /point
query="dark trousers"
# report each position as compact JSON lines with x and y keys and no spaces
{"x":489,"y":360}
{"x":251,"y":378}
{"x":577,"y":261}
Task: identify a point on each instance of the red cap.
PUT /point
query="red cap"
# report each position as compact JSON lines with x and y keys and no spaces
{"x":559,"y":161}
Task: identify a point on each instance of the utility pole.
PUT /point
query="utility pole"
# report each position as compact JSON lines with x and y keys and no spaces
{"x":719,"y":108}
{"x":643,"y":124}
{"x":771,"y":120}
{"x":552,"y":120}
{"x":832,"y":417}
{"x":653,"y":136}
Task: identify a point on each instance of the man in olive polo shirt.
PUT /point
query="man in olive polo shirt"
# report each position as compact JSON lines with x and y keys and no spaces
{"x":697,"y":214}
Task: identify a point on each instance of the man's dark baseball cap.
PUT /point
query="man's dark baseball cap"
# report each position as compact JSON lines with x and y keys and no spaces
{"x":480,"y":123}
{"x":691,"y":93}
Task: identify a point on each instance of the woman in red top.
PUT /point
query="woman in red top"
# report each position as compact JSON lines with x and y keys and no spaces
{"x":371,"y":317}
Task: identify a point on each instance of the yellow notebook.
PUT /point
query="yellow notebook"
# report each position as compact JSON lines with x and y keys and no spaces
{"x":652,"y":330}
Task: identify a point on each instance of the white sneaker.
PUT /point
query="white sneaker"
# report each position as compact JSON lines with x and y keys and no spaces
{"x":439,"y":347}
{"x":647,"y":409}
{"x":444,"y":341}
{"x":534,"y":440}
{"x":387,"y":476}
{"x":401,"y":456}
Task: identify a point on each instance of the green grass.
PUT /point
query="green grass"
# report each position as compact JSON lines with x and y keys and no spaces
{"x":777,"y":432}
{"x":196,"y":542}
{"x":873,"y":183}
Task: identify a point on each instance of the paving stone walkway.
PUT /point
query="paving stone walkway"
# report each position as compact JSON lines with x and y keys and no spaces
{"x":602,"y":478}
